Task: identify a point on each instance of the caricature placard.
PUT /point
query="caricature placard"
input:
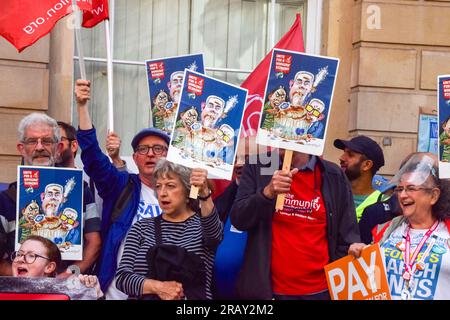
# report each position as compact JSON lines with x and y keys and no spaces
{"x":50,"y":204}
{"x":165,"y":79}
{"x":444,"y":125}
{"x":208,"y":125}
{"x":298,"y":98}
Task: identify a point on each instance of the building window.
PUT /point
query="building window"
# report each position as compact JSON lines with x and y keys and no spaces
{"x":233,"y":35}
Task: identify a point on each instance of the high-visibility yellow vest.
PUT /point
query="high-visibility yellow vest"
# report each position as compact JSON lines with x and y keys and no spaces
{"x":371,"y":199}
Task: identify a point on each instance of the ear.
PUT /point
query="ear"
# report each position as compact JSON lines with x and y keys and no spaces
{"x":21,"y":149}
{"x":368,"y":164}
{"x":42,"y":196}
{"x":291,"y":82}
{"x":74,"y":146}
{"x":76,"y":224}
{"x":203,"y":105}
{"x":135,"y":157}
{"x":435,"y":193}
{"x":50,"y":268}
{"x":168,"y":85}
{"x":321,"y":117}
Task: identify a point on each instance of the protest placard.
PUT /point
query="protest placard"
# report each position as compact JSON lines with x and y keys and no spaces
{"x":50,"y":204}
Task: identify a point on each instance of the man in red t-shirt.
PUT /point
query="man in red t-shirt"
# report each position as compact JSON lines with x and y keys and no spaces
{"x":288,"y":249}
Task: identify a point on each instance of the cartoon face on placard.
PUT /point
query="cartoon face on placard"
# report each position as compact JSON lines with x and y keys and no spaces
{"x":208,"y":125}
{"x":444,"y":125}
{"x":297,"y":104}
{"x":165,"y":80}
{"x":50,"y":204}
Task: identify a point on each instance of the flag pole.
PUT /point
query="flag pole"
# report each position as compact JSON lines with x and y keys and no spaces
{"x":110,"y":77}
{"x":78,"y":17}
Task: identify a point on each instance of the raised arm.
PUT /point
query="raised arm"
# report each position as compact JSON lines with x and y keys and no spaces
{"x":82,"y":96}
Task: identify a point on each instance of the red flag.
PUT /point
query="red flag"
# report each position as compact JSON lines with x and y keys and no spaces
{"x":98,"y":13}
{"x":84,"y":4}
{"x":23,"y":22}
{"x":256,"y":81}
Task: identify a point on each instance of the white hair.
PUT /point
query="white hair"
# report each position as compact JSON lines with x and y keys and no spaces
{"x":35,"y":118}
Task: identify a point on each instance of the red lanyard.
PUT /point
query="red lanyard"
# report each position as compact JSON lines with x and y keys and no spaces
{"x":409,"y":271}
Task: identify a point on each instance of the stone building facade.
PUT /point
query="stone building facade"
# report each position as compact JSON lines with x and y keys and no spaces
{"x":391,"y":52}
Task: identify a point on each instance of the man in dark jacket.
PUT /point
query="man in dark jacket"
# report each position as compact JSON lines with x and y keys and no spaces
{"x":287,"y":249}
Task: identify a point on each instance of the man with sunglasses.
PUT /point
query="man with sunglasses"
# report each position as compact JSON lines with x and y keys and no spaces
{"x":127,"y":197}
{"x":361,"y":160}
{"x":39,"y":144}
{"x":314,"y":114}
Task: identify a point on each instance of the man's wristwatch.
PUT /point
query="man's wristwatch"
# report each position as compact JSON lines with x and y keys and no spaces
{"x":205,"y":197}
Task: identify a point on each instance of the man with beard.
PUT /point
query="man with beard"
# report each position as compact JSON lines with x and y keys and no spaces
{"x":212,"y":111}
{"x":360,"y":161}
{"x":39,"y":143}
{"x":168,"y":111}
{"x":300,"y":88}
{"x":287,"y":124}
{"x":205,"y":137}
{"x":91,"y":216}
{"x":175,"y":84}
{"x":51,"y":199}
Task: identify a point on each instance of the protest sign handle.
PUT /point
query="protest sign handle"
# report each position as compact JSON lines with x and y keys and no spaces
{"x":109,"y":68}
{"x":78,"y":17}
{"x":194,"y":192}
{"x":286,"y":167}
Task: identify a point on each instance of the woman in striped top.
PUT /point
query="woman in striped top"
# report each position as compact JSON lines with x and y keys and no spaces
{"x":199,"y":231}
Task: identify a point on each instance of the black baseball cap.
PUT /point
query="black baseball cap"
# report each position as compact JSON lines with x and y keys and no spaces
{"x":149,"y":132}
{"x":364,"y":145}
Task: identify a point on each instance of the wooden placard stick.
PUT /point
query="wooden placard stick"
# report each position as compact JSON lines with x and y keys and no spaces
{"x":194,"y":192}
{"x":286,"y":167}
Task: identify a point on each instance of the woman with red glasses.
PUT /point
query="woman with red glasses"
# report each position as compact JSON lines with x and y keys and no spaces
{"x":416,"y":244}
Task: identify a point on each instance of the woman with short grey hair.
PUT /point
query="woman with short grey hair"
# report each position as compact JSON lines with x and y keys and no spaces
{"x":185,"y":232}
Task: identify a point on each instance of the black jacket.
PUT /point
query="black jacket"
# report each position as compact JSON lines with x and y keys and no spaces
{"x":377,"y":213}
{"x":252,"y":212}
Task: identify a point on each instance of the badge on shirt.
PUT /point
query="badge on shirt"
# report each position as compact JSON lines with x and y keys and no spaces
{"x":400,"y":245}
{"x":439,"y":249}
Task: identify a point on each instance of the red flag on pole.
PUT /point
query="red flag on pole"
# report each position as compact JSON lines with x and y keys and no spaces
{"x":256,"y":81}
{"x":98,"y":12}
{"x":84,"y":4}
{"x":24,"y":22}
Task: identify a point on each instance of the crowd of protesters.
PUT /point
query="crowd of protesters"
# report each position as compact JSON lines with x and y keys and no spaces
{"x":146,"y":239}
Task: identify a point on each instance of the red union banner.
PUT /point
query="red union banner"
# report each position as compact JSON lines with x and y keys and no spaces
{"x":256,"y":81}
{"x":24,"y":22}
{"x":98,"y":13}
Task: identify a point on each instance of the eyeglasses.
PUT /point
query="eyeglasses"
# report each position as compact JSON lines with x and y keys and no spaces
{"x":315,"y":113}
{"x":156,"y":149}
{"x":69,"y":220}
{"x":224,"y":136}
{"x":32,"y":142}
{"x":410,"y":189}
{"x":28,"y":257}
